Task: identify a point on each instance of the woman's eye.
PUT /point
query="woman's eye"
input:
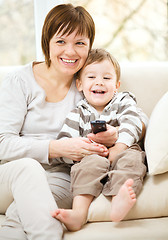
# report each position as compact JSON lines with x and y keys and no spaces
{"x":60,"y":41}
{"x":107,"y":78}
{"x":91,"y":77}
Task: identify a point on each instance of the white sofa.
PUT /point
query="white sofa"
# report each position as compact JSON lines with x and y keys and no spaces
{"x":148,"y":219}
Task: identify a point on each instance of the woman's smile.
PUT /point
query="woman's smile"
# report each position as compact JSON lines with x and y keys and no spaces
{"x":69,"y":51}
{"x":68,"y":60}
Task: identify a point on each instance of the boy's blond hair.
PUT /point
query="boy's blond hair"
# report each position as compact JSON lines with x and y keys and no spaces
{"x":99,"y":55}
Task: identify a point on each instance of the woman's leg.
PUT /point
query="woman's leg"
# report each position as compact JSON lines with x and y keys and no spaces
{"x":58,"y":178}
{"x":11,"y":227}
{"x":27,"y":181}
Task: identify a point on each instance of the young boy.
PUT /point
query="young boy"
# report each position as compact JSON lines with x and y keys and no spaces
{"x":121,"y":174}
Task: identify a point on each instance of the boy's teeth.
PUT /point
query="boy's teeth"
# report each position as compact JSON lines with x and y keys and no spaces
{"x":98,"y":91}
{"x":68,"y":61}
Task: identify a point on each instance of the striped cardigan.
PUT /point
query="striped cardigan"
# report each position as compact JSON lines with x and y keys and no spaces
{"x":121,"y":111}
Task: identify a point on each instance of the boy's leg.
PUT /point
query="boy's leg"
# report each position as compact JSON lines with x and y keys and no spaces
{"x":76,"y":217}
{"x":122,"y":203}
{"x":86,"y":177}
{"x":128,"y":164}
{"x":125,"y":181}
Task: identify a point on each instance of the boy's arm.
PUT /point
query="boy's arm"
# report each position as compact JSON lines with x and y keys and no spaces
{"x":131,"y":125}
{"x":107,"y":138}
{"x":129,"y":120}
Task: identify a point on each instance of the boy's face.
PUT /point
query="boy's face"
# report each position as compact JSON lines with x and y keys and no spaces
{"x":98,"y":83}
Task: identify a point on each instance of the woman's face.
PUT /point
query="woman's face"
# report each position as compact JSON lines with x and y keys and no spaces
{"x":68,"y":53}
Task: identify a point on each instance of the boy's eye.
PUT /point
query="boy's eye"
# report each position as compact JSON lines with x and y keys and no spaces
{"x":91,"y":77}
{"x":107,"y":78}
{"x":80,"y":43}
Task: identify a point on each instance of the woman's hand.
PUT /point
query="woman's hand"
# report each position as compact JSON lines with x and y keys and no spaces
{"x":75,"y":148}
{"x":107,"y":138}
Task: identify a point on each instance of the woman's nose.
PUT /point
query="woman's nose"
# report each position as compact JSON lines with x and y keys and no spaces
{"x":70,"y":49}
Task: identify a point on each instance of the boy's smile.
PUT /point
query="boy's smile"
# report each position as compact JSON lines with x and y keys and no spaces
{"x":98,"y":83}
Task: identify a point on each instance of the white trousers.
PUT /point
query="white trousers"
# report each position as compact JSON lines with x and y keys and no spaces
{"x":35,"y":192}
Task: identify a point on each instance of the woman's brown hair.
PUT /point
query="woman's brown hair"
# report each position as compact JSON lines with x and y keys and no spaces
{"x":66,"y":18}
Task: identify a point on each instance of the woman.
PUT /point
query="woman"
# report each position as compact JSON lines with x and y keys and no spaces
{"x":33,"y":104}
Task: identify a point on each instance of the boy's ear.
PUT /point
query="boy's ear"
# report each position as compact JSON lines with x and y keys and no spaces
{"x":118,"y":84}
{"x":78,"y":84}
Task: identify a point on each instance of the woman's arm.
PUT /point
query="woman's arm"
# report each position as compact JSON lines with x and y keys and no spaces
{"x":13,"y":110}
{"x":75,"y":148}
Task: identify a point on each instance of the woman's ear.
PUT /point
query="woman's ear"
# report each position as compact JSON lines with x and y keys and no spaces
{"x":79,"y":84}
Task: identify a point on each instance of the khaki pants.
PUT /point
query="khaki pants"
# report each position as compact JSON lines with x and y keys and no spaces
{"x":35,"y":192}
{"x":94,"y":174}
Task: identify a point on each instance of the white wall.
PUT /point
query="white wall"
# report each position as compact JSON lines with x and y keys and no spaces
{"x":41,"y":8}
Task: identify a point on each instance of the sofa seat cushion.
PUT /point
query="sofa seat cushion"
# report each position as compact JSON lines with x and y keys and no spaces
{"x":154,"y":228}
{"x":143,"y":229}
{"x":2,"y":218}
{"x":151,"y":202}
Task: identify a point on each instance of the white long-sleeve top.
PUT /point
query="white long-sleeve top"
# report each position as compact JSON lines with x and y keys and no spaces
{"x":27,"y":121}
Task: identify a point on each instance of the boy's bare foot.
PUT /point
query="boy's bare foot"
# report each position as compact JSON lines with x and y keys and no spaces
{"x":72,"y":219}
{"x":123,"y":201}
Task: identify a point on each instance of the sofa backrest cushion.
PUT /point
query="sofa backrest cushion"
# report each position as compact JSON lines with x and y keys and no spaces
{"x":147,"y":80}
{"x":156,"y":139}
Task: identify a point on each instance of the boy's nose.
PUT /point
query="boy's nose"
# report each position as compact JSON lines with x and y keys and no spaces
{"x":99,"y":81}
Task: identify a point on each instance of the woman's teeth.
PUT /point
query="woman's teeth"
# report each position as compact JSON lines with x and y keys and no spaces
{"x":68,"y":60}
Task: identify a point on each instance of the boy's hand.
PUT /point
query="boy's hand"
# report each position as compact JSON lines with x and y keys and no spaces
{"x":107,"y":138}
{"x":115,"y":150}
